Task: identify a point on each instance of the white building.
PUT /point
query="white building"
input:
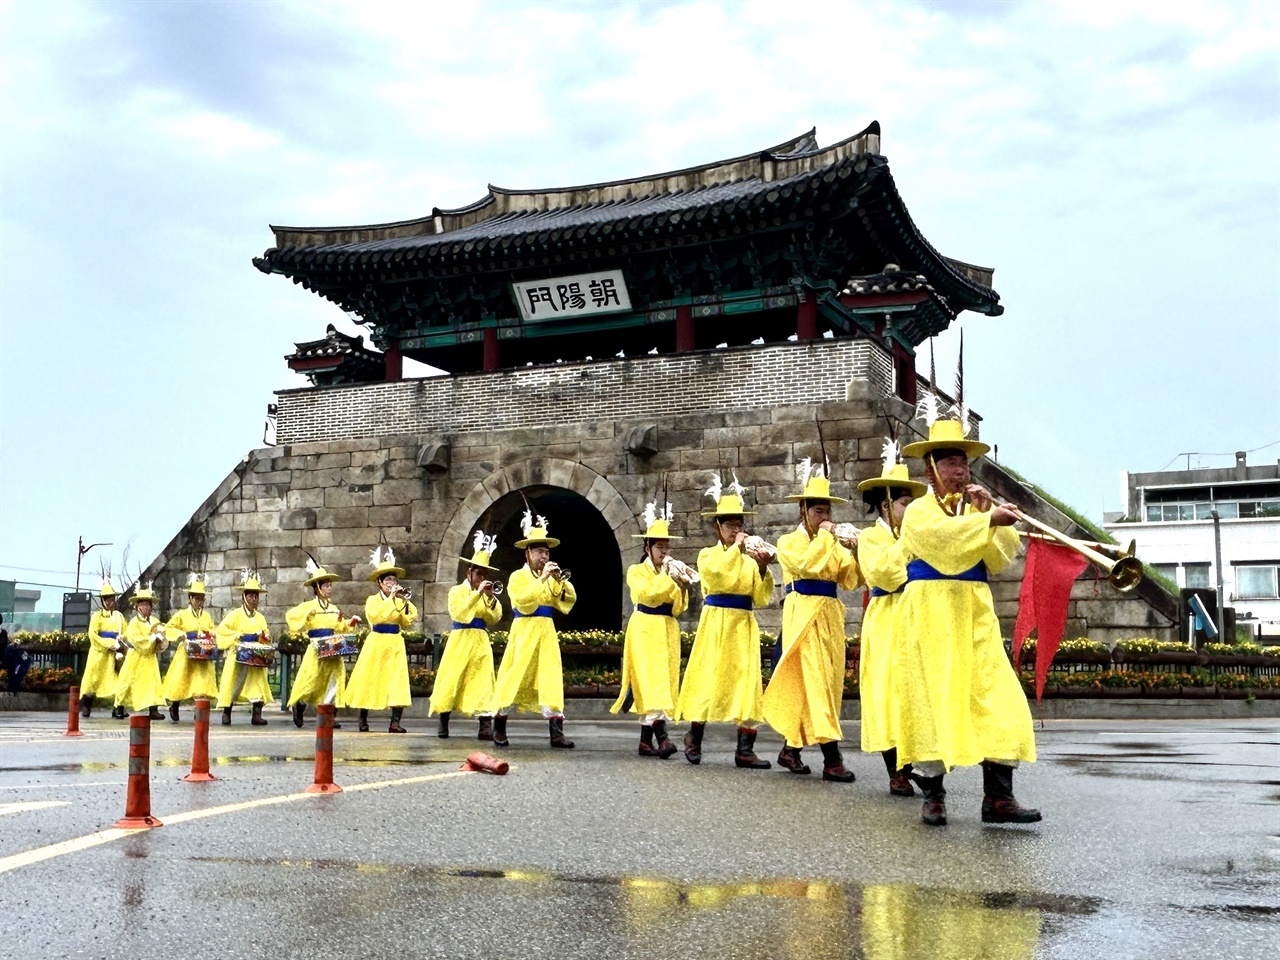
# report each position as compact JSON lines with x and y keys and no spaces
{"x":1169,"y":514}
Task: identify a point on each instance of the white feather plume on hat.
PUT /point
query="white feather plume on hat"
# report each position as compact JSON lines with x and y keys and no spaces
{"x":715,"y":489}
{"x":736,"y":488}
{"x":889,"y":454}
{"x":481,"y":543}
{"x":650,"y":514}
{"x":311,"y":568}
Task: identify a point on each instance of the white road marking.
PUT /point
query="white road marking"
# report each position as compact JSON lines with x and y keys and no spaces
{"x":31,"y":805}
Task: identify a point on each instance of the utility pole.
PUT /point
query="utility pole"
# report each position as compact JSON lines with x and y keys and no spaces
{"x":80,"y":552}
{"x":1217,"y":562}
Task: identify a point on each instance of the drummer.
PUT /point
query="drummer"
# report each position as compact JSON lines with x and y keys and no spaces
{"x":241,"y":633}
{"x":99,"y":677}
{"x":138,"y":687}
{"x":380,"y":678}
{"x":189,"y":677}
{"x":322,"y":678}
{"x":464,"y":680}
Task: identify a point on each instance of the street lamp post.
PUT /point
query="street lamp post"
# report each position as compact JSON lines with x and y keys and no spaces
{"x":1217,"y":562}
{"x":80,"y":552}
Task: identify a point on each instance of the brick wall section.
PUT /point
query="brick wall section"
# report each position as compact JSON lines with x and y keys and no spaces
{"x":753,"y":377}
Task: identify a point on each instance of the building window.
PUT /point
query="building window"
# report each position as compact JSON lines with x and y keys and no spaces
{"x":1257,"y":583}
{"x":1197,"y":574}
{"x":1169,"y":570}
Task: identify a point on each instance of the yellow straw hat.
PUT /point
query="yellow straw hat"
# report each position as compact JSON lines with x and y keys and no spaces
{"x":482,"y":547}
{"x":195,"y":584}
{"x":946,"y":435}
{"x":535,"y":535}
{"x":249,"y":582}
{"x":727,"y":504}
{"x":655,"y":527}
{"x":142,"y":593}
{"x":106,"y":589}
{"x":317,"y":574}
{"x":384,"y":562}
{"x":896,"y":477}
{"x":814,"y":485}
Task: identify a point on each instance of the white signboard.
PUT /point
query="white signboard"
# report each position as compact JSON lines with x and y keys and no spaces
{"x":579,"y":296}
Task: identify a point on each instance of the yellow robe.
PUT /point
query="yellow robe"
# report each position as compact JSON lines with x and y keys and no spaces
{"x":651,"y":648}
{"x":960,"y":700}
{"x":138,"y":687}
{"x":883,"y":565}
{"x":380,"y":678}
{"x":464,"y":682}
{"x":807,"y":686}
{"x":99,"y":678}
{"x":317,"y":674}
{"x":187,"y":679}
{"x":901,"y":921}
{"x":722,"y":681}
{"x":531,"y":675}
{"x":257,"y":687}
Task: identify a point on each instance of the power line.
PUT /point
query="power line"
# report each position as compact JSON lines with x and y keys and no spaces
{"x":1230,"y":453}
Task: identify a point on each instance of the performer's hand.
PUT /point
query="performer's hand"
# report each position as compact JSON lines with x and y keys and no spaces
{"x":979,"y":497}
{"x":486,"y":587}
{"x":828,"y":526}
{"x":1004,"y":515}
{"x":740,"y":540}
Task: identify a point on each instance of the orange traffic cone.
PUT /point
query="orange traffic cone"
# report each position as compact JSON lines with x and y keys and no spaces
{"x":137,"y":804}
{"x":200,"y":750}
{"x":483,"y":763}
{"x":324,"y":751}
{"x":73,"y":713}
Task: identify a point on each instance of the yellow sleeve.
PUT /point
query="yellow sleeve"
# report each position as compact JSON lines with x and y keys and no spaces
{"x":652,"y":587}
{"x":562,"y":595}
{"x":296,"y":618}
{"x":718,"y":568}
{"x":95,"y":636}
{"x":1002,"y":548}
{"x":762,"y":586}
{"x":524,"y":590}
{"x":228,"y":631}
{"x":881,"y":559}
{"x":820,"y":558}
{"x":260,"y":626}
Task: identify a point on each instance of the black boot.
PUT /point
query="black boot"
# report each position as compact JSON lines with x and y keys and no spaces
{"x":299,"y":711}
{"x":226,"y":716}
{"x":86,"y":705}
{"x":646,"y":748}
{"x":934,"y":811}
{"x":394,"y":726}
{"x":364,"y":721}
{"x":500,"y":731}
{"x":154,"y":713}
{"x":257,"y":719}
{"x":665,"y":747}
{"x":789,"y":757}
{"x":486,"y":729}
{"x":899,"y":779}
{"x":173,"y":711}
{"x":693,"y":743}
{"x":443,"y":732}
{"x":558,"y":739}
{"x":120,"y":713}
{"x":998,"y":803}
{"x":833,"y":767}
{"x":745,"y":755}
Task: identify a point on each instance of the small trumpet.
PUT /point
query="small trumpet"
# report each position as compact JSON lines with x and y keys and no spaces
{"x":680,"y":571}
{"x":758,"y":545}
{"x":565,"y":572}
{"x":404,"y":593}
{"x":497,"y":587}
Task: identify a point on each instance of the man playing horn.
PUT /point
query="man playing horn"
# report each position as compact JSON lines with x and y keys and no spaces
{"x":651,"y":648}
{"x":883,"y":566}
{"x":380,"y":678}
{"x":244,"y":629}
{"x":960,"y":701}
{"x":105,"y":627}
{"x":186,"y":678}
{"x":807,"y":687}
{"x":320,"y":679}
{"x":723,"y":680}
{"x":531,"y":674}
{"x":464,"y":681}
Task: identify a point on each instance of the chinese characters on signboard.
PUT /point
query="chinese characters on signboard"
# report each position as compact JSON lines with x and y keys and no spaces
{"x":578,"y":296}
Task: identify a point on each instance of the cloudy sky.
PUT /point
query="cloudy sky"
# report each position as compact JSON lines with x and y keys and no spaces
{"x":1117,"y":164}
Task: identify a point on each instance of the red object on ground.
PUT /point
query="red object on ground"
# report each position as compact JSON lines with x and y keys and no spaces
{"x":200,"y":750}
{"x":483,"y":763}
{"x":324,"y":752}
{"x":1042,"y":603}
{"x":73,"y":713}
{"x":137,"y":804}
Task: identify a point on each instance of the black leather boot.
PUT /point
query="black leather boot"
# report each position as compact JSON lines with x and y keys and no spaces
{"x":500,"y":731}
{"x":173,"y":711}
{"x":154,"y":713}
{"x":299,"y":711}
{"x":258,"y":720}
{"x":665,"y":747}
{"x":693,"y":743}
{"x":789,"y":757}
{"x":833,"y":767}
{"x":934,"y":810}
{"x":226,"y":716}
{"x":443,"y":732}
{"x":364,"y":721}
{"x":394,"y":726}
{"x":486,"y":729}
{"x":558,"y":739}
{"x":646,"y":748}
{"x":899,"y":779}
{"x":745,"y":754}
{"x":86,"y":705}
{"x":998,"y":803}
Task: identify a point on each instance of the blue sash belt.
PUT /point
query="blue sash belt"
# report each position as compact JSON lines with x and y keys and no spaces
{"x":386,"y":628}
{"x":250,"y":638}
{"x":191,"y":634}
{"x":320,"y":632}
{"x":661,"y":610}
{"x":919,"y":570}
{"x":734,"y":601}
{"x":542,"y":611}
{"x":476,"y":624}
{"x":877,"y":592}
{"x":811,"y":588}
{"x":109,"y":634}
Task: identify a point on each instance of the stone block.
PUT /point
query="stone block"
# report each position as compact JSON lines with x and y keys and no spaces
{"x":391,"y":516}
{"x":302,"y":518}
{"x":402,"y":470}
{"x":744,"y":418}
{"x":270,"y":504}
{"x":793,"y":414}
{"x":764,"y":456}
{"x":257,"y":539}
{"x":242,"y":522}
{"x":359,"y":495}
{"x":608,"y":466}
{"x":320,"y":538}
{"x":342,"y":517}
{"x":721,"y":459}
{"x":316,"y":479}
{"x":395,"y":492}
{"x":695,"y":422}
{"x":297,"y":499}
{"x":352,"y":445}
{"x":365,"y":458}
{"x":852,"y":429}
{"x":471,"y":454}
{"x":332,"y":460}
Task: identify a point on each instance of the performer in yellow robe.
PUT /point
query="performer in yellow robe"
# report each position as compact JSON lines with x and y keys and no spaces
{"x":960,"y":701}
{"x":464,"y":681}
{"x":139,"y":687}
{"x":659,"y":587}
{"x":244,"y":629}
{"x":723,"y":680}
{"x":320,"y":679}
{"x":884,"y":568}
{"x":807,"y":687}
{"x":188,"y":678}
{"x":380,"y":678}
{"x":99,"y":677}
{"x":531,"y":675}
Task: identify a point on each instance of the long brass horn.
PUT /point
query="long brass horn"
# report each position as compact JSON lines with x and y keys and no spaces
{"x":1110,"y":549}
{"x":1124,"y":573}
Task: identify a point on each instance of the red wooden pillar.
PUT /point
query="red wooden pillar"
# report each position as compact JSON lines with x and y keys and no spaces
{"x":492,"y":359}
{"x":904,"y":367}
{"x":807,"y":319}
{"x":685,"y":340}
{"x":395,"y":363}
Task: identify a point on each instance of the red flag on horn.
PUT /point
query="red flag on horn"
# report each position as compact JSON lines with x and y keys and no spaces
{"x":1042,"y":604}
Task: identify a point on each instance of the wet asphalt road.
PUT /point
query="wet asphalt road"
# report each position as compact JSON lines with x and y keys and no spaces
{"x":1161,"y":839}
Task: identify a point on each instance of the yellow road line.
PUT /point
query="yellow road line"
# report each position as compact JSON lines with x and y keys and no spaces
{"x":14,"y":861}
